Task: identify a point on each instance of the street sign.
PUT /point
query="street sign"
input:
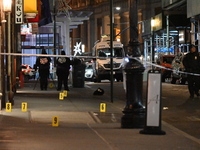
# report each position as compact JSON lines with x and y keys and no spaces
{"x":19,"y":12}
{"x":153,"y":104}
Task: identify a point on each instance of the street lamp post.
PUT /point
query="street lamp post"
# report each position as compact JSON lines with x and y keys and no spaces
{"x":134,"y":111}
{"x":111,"y":49}
{"x":153,"y":38}
{"x":54,"y":30}
{"x":7,"y":5}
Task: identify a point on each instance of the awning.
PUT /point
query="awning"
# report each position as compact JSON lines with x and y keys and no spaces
{"x":177,"y":7}
{"x":75,"y":18}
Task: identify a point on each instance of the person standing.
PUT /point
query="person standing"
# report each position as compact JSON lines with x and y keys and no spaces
{"x":191,"y":63}
{"x":62,"y":71}
{"x":43,"y":63}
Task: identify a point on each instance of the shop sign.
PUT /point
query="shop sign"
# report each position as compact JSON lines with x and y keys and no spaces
{"x":19,"y":11}
{"x":34,"y":28}
{"x":30,"y":6}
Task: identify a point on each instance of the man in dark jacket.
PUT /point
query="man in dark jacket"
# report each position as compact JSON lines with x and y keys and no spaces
{"x":43,"y":62}
{"x":191,"y":63}
{"x":62,"y":71}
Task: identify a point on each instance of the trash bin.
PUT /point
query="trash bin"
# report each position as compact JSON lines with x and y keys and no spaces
{"x":78,"y":73}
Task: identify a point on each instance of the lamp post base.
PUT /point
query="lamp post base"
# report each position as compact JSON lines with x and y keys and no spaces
{"x":153,"y":131}
{"x":133,"y":118}
{"x":10,"y":97}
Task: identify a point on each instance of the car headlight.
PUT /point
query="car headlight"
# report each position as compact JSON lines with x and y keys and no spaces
{"x":88,"y":71}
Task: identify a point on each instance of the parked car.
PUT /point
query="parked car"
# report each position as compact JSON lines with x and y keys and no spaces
{"x":28,"y":71}
{"x":177,"y":65}
{"x":89,"y":72}
{"x":166,"y":62}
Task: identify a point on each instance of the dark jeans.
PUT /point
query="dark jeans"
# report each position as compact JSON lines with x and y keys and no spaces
{"x":44,"y":75}
{"x":62,"y":79}
{"x":193,"y":84}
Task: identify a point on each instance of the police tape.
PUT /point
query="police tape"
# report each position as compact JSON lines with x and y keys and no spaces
{"x":38,"y":55}
{"x":176,"y":71}
{"x":136,"y":58}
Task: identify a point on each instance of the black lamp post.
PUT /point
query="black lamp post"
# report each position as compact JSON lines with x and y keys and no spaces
{"x":7,"y":8}
{"x":54,"y":30}
{"x":134,"y":111}
{"x":111,"y":50}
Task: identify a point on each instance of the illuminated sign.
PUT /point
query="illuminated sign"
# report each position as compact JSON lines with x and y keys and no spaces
{"x":26,"y":29}
{"x":30,"y":6}
{"x":19,"y":11}
{"x":77,"y":48}
{"x":117,"y":32}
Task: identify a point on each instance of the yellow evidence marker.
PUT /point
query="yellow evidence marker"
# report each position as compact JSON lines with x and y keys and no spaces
{"x":61,"y":96}
{"x":103,"y":107}
{"x":24,"y":107}
{"x":8,"y":107}
{"x":55,"y":121}
{"x":65,"y":93}
{"x":50,"y":85}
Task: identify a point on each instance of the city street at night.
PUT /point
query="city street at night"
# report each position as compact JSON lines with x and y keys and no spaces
{"x":83,"y":126}
{"x":100,"y":75}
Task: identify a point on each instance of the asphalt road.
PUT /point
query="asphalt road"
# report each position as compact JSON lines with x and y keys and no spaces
{"x":178,"y":110}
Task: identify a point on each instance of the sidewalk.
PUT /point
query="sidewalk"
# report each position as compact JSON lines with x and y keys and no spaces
{"x":81,"y":125}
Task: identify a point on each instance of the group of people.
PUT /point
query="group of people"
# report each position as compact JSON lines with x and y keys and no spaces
{"x":62,"y":70}
{"x":191,"y":63}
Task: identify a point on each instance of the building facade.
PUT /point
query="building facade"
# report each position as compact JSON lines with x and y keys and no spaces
{"x":99,"y":22}
{"x":176,"y":31}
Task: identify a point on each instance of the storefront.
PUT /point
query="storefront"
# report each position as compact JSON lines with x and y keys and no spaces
{"x":169,"y":33}
{"x":193,"y":12}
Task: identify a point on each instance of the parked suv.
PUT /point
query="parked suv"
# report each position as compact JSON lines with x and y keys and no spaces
{"x":166,"y":62}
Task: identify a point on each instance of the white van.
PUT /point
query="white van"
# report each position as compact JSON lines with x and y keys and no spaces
{"x":101,"y":62}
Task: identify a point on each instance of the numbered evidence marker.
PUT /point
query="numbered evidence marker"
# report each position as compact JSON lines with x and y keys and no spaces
{"x":55,"y":121}
{"x":24,"y":107}
{"x":50,"y":85}
{"x":61,"y":96}
{"x":65,"y":93}
{"x":8,"y":107}
{"x":103,"y":107}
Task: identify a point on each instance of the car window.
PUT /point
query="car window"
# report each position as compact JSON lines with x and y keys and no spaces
{"x":89,"y":67}
{"x":23,"y":67}
{"x":168,"y":59}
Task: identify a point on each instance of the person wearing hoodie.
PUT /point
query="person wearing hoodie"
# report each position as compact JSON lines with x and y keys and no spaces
{"x":62,"y":71}
{"x":43,"y":63}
